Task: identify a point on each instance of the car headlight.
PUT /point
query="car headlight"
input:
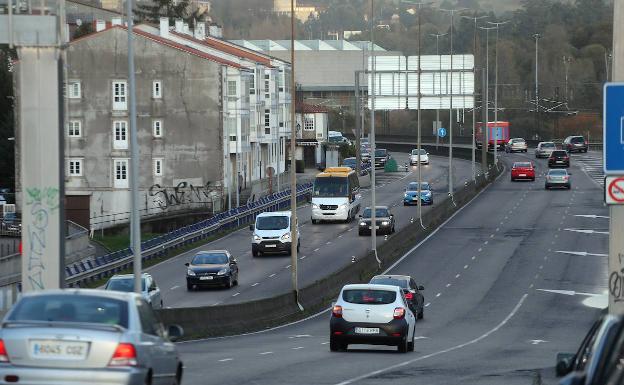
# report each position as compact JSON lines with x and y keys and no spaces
{"x":428,"y":193}
{"x":315,"y":206}
{"x":190,"y":273}
{"x":285,"y":237}
{"x":222,"y":271}
{"x":385,"y":223}
{"x":405,"y":195}
{"x":343,"y":206}
{"x":257,"y":238}
{"x":362,"y":223}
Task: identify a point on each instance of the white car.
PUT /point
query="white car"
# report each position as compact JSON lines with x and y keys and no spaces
{"x":544,"y":149}
{"x":516,"y":144}
{"x":372,"y":314}
{"x":423,"y":158}
{"x":271,"y":233}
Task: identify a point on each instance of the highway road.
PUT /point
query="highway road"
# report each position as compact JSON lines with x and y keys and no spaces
{"x":507,"y":286}
{"x":325,"y":248}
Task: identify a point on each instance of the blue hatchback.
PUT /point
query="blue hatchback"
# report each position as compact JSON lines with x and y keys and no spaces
{"x":411,"y":194}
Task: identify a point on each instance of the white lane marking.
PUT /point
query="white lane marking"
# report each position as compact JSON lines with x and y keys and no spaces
{"x":582,"y":253}
{"x":497,"y":229}
{"x":265,"y":353}
{"x":448,"y":285}
{"x":287,"y":267}
{"x":531,"y":286}
{"x":325,"y":343}
{"x":174,"y":287}
{"x":480,"y":249}
{"x":297,"y":348}
{"x":328,"y":243}
{"x":456,"y":276}
{"x":235,"y":294}
{"x":471,"y":342}
{"x":541,"y":267}
{"x":427,"y":304}
{"x":486,"y":242}
{"x":216,"y":303}
{"x":587,"y":231}
{"x":491,"y":235}
{"x":351,"y":229}
{"x":465,"y":267}
{"x":255,"y":284}
{"x":272,"y":275}
{"x":537,"y":342}
{"x":474,"y":257}
{"x":570,"y":292}
{"x":304,"y":257}
{"x":300,"y":336}
{"x":317,"y":249}
{"x":226,"y":359}
{"x":439,"y":294}
{"x":591,"y":216}
{"x":340,"y":236}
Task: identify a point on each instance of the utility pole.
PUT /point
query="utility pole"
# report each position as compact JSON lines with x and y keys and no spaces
{"x":294,"y":237}
{"x":537,"y":103}
{"x":498,"y":24}
{"x":358,"y":131}
{"x":371,"y":94}
{"x":566,"y":64}
{"x":486,"y":104}
{"x":438,"y":36}
{"x":484,"y":117}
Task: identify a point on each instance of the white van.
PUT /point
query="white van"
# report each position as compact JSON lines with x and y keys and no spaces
{"x":271,"y":233}
{"x":336,"y":195}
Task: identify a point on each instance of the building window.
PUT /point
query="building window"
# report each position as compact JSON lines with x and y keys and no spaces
{"x":158,"y":167}
{"x":308,"y":123}
{"x":232,"y":89}
{"x":74,"y":167}
{"x":252,"y":84}
{"x":157,"y":128}
{"x":120,"y":100}
{"x":157,"y":89}
{"x":267,"y":122}
{"x":120,"y":135}
{"x":74,"y":129}
{"x":120,"y":170}
{"x":74,"y":91}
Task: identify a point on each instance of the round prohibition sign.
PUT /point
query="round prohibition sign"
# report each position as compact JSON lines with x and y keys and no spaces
{"x":616,"y":189}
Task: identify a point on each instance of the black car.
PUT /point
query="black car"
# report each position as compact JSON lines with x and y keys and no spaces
{"x":383,"y":217}
{"x":412,"y":291}
{"x":559,"y":158}
{"x":575,"y":143}
{"x":381,"y":157}
{"x":211,"y":268}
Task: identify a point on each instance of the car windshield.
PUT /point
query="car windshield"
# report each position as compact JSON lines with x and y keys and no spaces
{"x":380,"y":152}
{"x":522,"y":165}
{"x":369,"y":297}
{"x":331,"y":187}
{"x":402,"y":283}
{"x":71,"y":308}
{"x":379,"y":213}
{"x":413,"y":186}
{"x":557,"y":173}
{"x":548,"y":145}
{"x":517,"y":140}
{"x":210,"y":259}
{"x":277,"y":222}
{"x":422,"y":152}
{"x":123,"y":284}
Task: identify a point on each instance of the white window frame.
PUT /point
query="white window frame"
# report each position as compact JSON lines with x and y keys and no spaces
{"x":157,"y":89}
{"x":74,"y":128}
{"x":267,"y":120}
{"x":158,"y":166}
{"x":157,"y":128}
{"x":308,"y":122}
{"x":120,"y":140}
{"x":74,"y":90}
{"x":124,"y":170}
{"x":75,"y":166}
{"x":120,"y":95}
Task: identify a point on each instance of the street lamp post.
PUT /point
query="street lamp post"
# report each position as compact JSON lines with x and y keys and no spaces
{"x":537,"y":104}
{"x":497,"y":24}
{"x":372,"y":131}
{"x":486,"y":102}
{"x":438,"y":36}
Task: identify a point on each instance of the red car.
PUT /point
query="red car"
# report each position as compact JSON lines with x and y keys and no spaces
{"x":523,"y":170}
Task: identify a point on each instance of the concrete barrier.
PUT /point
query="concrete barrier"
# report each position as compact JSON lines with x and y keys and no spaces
{"x":261,"y":314}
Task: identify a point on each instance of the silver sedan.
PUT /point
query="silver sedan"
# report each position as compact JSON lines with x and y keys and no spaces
{"x":79,"y":336}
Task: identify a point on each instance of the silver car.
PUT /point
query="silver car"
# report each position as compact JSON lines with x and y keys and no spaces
{"x":149,"y":289}
{"x":82,"y":336}
{"x":557,"y":178}
{"x":544,"y":149}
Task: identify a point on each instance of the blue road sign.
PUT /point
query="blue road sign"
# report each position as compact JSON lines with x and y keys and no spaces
{"x":441,"y":132}
{"x":613,"y":130}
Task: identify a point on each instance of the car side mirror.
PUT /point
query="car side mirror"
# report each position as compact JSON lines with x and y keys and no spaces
{"x":421,"y":287}
{"x":187,"y":264}
{"x":233,"y":262}
{"x":175,"y":332}
{"x":152,"y":288}
{"x":251,"y":227}
{"x":391,"y":215}
{"x":564,"y":363}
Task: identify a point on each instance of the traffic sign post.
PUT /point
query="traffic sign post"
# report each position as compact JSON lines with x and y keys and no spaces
{"x":441,"y":132}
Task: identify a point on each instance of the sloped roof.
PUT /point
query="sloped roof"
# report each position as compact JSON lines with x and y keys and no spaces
{"x":306,"y":108}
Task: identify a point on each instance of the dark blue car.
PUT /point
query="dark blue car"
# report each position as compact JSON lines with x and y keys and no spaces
{"x":411,"y":194}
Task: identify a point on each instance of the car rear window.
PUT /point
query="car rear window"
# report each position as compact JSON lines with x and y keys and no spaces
{"x":71,"y":308}
{"x":559,"y":153}
{"x":548,"y":145}
{"x":522,"y":164}
{"x":369,"y":297}
{"x":578,"y":139}
{"x":402,"y":283}
{"x":557,"y":172}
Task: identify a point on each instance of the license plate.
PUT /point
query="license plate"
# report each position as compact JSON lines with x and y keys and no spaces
{"x":371,"y":227}
{"x":559,"y":161}
{"x":59,"y":350}
{"x":206,"y":278}
{"x":414,"y":198}
{"x":367,"y":330}
{"x":270,"y":245}
{"x":522,"y":175}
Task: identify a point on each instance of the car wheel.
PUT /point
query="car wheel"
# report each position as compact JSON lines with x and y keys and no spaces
{"x":360,"y":233}
{"x":410,"y":345}
{"x":161,"y":304}
{"x":254,"y":253}
{"x":403,"y":348}
{"x":421,"y":314}
{"x":229,"y":283}
{"x":178,"y":377}
{"x":335,"y":345}
{"x":533,"y":179}
{"x":314,"y":221}
{"x":404,"y":203}
{"x":189,"y":287}
{"x":298,"y":246}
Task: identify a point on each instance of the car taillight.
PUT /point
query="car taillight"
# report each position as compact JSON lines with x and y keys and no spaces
{"x":337,"y":311}
{"x":4,"y":356}
{"x":409,"y":295}
{"x":399,"y":313}
{"x":125,"y":355}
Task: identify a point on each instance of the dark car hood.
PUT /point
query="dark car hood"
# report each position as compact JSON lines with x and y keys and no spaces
{"x":206,"y":268}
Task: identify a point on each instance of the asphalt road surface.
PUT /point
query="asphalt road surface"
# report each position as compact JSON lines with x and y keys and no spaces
{"x":325,"y":248}
{"x":500,"y":278}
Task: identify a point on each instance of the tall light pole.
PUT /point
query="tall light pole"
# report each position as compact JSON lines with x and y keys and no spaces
{"x":486,"y":102}
{"x":438,"y":36}
{"x":537,"y":104}
{"x":497,"y":24}
{"x":372,"y":132}
{"x":294,"y":237}
{"x":474,"y":104}
{"x":450,"y":172}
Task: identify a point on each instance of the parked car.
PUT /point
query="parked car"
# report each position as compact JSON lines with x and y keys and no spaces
{"x":411,"y":194}
{"x":544,"y":149}
{"x":522,"y":170}
{"x":383,"y":217}
{"x":149,"y":290}
{"x":271,"y":233}
{"x":82,"y":336}
{"x":371,"y":314}
{"x":211,"y":268}
{"x":352,"y":163}
{"x":11,"y":225}
{"x":576,"y":362}
{"x":559,"y":158}
{"x":381,"y":157}
{"x":557,"y":178}
{"x":575,"y":143}
{"x":423,"y":158}
{"x":516,"y":145}
{"x":411,"y":290}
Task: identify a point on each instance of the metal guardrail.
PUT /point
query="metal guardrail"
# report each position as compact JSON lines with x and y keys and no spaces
{"x":81,"y":273}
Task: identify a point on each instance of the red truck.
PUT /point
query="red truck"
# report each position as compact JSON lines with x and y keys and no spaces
{"x":498,"y":130}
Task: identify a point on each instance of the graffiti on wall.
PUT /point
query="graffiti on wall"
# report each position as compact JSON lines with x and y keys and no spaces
{"x":184,"y":193}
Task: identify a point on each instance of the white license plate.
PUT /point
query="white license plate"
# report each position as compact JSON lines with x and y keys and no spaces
{"x":367,"y":330}
{"x":414,"y":199}
{"x":58,"y":350}
{"x":522,"y":175}
{"x":270,"y":245}
{"x":206,"y":278}
{"x":559,"y":161}
{"x":371,"y":227}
